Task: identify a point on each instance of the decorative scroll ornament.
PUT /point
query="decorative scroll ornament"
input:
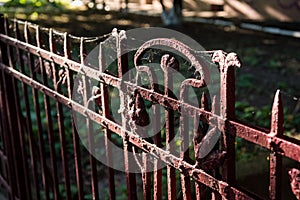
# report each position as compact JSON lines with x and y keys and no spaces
{"x":62,"y":76}
{"x":96,"y":92}
{"x":137,"y":110}
{"x":225,"y":60}
{"x":80,"y":88}
{"x":232,"y":59}
{"x":168,"y":61}
{"x":48,"y":69}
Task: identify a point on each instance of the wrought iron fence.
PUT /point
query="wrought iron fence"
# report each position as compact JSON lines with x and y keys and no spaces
{"x":41,"y":153}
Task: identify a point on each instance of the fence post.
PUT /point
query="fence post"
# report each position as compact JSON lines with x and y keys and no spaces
{"x":12,"y":140}
{"x":227,"y":62}
{"x":107,"y":133}
{"x":122,"y":70}
{"x":277,"y":120}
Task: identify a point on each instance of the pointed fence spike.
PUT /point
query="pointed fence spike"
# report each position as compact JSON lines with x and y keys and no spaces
{"x":277,"y":117}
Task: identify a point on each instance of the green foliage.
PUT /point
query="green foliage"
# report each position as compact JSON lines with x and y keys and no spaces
{"x":260,"y":117}
{"x":253,"y":56}
{"x":88,"y":197}
{"x":245,"y":81}
{"x":33,"y":6}
{"x":246,"y":150}
{"x":292,"y":124}
{"x":121,"y":192}
{"x":29,"y":3}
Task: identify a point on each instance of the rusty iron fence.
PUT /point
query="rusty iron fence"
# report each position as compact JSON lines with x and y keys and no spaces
{"x":41,"y":155}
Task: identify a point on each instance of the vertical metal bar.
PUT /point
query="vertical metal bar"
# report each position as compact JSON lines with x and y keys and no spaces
{"x":157,"y":174}
{"x":4,"y":59}
{"x":29,"y":122}
{"x":11,"y":111}
{"x":60,"y":121}
{"x":146,"y":176}
{"x":4,"y":132}
{"x":169,"y":117}
{"x":215,"y":172}
{"x":50,"y":125}
{"x":76,"y":144}
{"x":22,"y":123}
{"x":89,"y":123}
{"x":32,"y":69}
{"x":22,"y":161}
{"x":277,"y":120}
{"x":38,"y":117}
{"x":6,"y":144}
{"x":198,"y":136}
{"x":14,"y":121}
{"x":122,"y":69}
{"x":36,"y":105}
{"x":227,"y":111}
{"x":184,"y":148}
{"x":78,"y":165}
{"x":107,"y":133}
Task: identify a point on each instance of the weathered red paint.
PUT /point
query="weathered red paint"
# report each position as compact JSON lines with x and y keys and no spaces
{"x":188,"y":166}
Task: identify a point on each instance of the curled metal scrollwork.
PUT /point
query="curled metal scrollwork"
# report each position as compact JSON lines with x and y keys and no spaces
{"x":137,"y":110}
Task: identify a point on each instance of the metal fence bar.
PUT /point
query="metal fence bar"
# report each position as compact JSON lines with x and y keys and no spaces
{"x":169,"y":117}
{"x":157,"y":174}
{"x":76,"y":144}
{"x":17,"y":136}
{"x":185,"y":135}
{"x":104,"y":101}
{"x":31,"y":66}
{"x":234,"y":127}
{"x":199,"y":131}
{"x":28,"y":126}
{"x":289,"y":147}
{"x":38,"y":118}
{"x":16,"y":133}
{"x":77,"y":152}
{"x":198,"y":135}
{"x":197,"y":174}
{"x":58,"y":78}
{"x":146,"y":176}
{"x":8,"y":84}
{"x":22,"y":126}
{"x":227,"y":112}
{"x":277,"y":121}
{"x":122,"y":60}
{"x":53,"y":156}
{"x":47,"y":178}
{"x":225,"y":187}
{"x":4,"y":59}
{"x":86,"y":85}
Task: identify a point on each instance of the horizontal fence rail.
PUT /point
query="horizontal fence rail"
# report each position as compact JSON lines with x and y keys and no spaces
{"x":41,"y":150}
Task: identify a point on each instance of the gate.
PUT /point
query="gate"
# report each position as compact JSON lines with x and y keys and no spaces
{"x":41,"y":152}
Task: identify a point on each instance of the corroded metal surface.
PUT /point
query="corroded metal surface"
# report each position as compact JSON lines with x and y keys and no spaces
{"x":54,"y":81}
